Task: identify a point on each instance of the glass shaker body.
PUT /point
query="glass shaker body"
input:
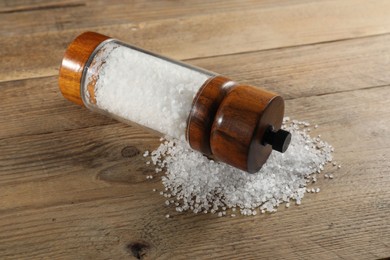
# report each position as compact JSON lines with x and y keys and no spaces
{"x":134,"y":85}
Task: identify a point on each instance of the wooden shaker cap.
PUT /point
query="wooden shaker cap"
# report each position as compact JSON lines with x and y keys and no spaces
{"x":204,"y":108}
{"x":237,"y":124}
{"x":73,"y":64}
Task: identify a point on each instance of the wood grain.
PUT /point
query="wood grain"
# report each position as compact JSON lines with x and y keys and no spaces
{"x":203,"y":35}
{"x":73,"y":183}
{"x":240,"y":127}
{"x":328,"y":224}
{"x":74,"y":62}
{"x":26,"y":17}
{"x":292,"y":72}
{"x":203,"y":110}
{"x":229,"y":122}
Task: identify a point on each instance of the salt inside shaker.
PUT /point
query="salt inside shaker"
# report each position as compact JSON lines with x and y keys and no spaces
{"x":227,"y":121}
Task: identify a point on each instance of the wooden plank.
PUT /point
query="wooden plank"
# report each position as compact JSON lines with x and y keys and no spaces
{"x":37,"y":106}
{"x":89,"y":200}
{"x":73,"y":183}
{"x":15,"y":6}
{"x":309,"y":70}
{"x":8,"y":9}
{"x":27,"y":17}
{"x":204,"y":35}
{"x":292,"y":72}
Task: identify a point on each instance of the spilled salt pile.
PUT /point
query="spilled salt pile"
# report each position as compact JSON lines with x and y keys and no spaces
{"x":194,"y":183}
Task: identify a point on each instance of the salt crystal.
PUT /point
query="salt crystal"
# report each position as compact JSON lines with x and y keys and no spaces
{"x":167,"y":216}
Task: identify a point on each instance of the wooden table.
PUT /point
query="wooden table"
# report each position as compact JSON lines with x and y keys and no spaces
{"x":72,"y":183}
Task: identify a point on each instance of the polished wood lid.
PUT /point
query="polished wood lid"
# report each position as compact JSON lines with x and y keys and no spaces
{"x":237,"y":124}
{"x":204,"y":109}
{"x":73,"y":64}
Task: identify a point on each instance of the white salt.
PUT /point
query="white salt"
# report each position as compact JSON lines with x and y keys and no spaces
{"x":144,"y":89}
{"x":196,"y":182}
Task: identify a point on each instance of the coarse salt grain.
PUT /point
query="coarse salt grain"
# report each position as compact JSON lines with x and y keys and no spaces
{"x":199,"y":184}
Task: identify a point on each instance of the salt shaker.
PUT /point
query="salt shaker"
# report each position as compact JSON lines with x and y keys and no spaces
{"x":227,"y":121}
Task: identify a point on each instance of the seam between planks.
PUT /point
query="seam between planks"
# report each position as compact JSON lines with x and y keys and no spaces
{"x":341,"y":91}
{"x":290,"y":46}
{"x":118,"y":123}
{"x":236,"y":53}
{"x":43,"y":7}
